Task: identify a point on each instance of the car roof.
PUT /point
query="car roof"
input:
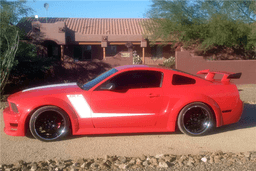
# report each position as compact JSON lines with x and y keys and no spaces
{"x":130,"y":66}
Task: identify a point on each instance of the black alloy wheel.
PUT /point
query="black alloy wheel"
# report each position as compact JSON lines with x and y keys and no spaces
{"x":196,"y":119}
{"x":49,"y":123}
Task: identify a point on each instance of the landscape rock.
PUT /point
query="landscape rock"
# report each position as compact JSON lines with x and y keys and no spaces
{"x":154,"y":161}
{"x":190,"y":161}
{"x":180,"y":163}
{"x":253,"y":155}
{"x":60,"y":167}
{"x":159,"y":156}
{"x":122,"y":166}
{"x":211,"y":161}
{"x":163,"y":162}
{"x":138,"y":161}
{"x":219,"y":153}
{"x":204,"y":159}
{"x":122,"y":159}
{"x":132,"y":161}
{"x":182,"y":158}
{"x":33,"y":167}
{"x":247,"y":154}
{"x":145,"y":163}
{"x":143,"y":157}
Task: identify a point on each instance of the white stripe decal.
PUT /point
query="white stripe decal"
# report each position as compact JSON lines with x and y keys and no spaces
{"x":84,"y":110}
{"x":81,"y":106}
{"x":102,"y":115}
{"x":49,"y":86}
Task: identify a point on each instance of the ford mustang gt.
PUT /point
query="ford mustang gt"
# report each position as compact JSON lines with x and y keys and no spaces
{"x":126,"y":99}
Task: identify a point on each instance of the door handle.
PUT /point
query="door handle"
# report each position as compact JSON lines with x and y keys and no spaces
{"x":153,"y":95}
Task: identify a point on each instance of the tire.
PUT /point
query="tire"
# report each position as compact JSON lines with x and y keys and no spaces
{"x":49,"y":123}
{"x":195,"y":119}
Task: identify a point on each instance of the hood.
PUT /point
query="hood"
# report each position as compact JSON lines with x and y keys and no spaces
{"x":44,"y":91}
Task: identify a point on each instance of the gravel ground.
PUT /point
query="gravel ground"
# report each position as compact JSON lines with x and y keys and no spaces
{"x":228,"y":148}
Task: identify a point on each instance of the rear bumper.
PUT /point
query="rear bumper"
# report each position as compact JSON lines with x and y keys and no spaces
{"x":234,"y":115}
{"x":13,"y":124}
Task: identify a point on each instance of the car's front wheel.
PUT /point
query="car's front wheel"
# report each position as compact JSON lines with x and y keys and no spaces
{"x":49,"y":123}
{"x":195,"y":119}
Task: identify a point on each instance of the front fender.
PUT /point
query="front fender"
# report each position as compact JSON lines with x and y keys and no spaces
{"x":183,"y":101}
{"x":53,"y":101}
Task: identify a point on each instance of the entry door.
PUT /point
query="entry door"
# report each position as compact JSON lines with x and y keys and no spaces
{"x":136,"y":101}
{"x":78,"y":52}
{"x":87,"y":54}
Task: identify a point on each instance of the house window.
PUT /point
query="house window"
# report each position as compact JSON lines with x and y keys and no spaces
{"x":111,"y":50}
{"x":157,"y":51}
{"x":82,"y":53}
{"x":53,"y":50}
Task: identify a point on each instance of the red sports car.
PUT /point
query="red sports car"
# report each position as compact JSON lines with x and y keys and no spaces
{"x":126,"y":99}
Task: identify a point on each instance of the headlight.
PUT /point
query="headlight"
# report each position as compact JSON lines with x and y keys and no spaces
{"x":14,"y":108}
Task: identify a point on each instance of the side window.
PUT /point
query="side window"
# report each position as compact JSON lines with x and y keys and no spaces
{"x":111,"y":50}
{"x":182,"y":80}
{"x":136,"y":79}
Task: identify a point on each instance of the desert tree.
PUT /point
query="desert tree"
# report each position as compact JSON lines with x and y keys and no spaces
{"x":11,"y":12}
{"x":208,"y":23}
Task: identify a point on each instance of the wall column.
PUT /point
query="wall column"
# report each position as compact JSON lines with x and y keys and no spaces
{"x":104,"y":53}
{"x":104,"y":44}
{"x":62,"y":52}
{"x":143,"y":55}
{"x":143,"y":44}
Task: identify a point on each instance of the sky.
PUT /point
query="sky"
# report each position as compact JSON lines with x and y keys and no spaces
{"x":91,"y":8}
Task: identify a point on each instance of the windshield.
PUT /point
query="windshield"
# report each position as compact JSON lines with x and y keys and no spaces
{"x":98,"y":79}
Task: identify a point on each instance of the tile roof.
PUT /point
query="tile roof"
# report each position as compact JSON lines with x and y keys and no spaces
{"x":94,"y":26}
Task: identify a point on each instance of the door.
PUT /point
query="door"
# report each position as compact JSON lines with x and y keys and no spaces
{"x":136,"y":100}
{"x":78,"y":52}
{"x":87,"y":54}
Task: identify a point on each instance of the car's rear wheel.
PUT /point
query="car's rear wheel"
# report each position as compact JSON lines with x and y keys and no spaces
{"x":195,"y":119}
{"x":49,"y":123}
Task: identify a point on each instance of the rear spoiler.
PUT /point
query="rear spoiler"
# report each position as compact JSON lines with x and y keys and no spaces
{"x":226,"y":75}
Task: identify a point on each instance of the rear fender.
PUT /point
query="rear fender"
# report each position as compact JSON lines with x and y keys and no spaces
{"x":175,"y":110}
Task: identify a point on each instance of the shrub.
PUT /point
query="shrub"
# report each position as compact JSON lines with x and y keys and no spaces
{"x":136,"y":58}
{"x":170,"y":62}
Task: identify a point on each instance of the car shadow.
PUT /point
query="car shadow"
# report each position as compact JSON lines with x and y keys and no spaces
{"x":123,"y":134}
{"x":248,"y":120}
{"x":70,"y":137}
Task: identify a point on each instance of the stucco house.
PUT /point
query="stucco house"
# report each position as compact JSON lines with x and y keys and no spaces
{"x":83,"y":39}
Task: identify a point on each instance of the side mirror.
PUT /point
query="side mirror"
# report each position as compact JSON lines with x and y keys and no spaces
{"x":109,"y":86}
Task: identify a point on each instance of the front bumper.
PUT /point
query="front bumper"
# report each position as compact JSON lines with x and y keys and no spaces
{"x":235,"y":114}
{"x":13,"y":124}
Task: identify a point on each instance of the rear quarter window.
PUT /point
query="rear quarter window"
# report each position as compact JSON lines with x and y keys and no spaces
{"x":182,"y":80}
